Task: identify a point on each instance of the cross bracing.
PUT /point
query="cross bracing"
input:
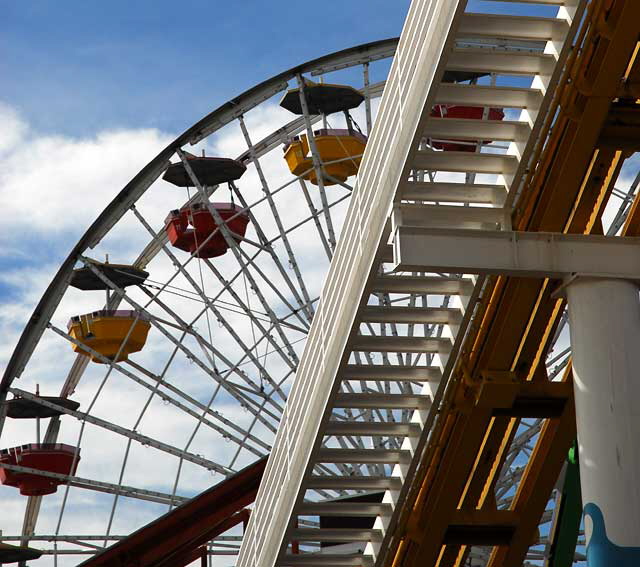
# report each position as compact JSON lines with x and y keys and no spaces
{"x":392,"y":194}
{"x":408,"y":335}
{"x":265,"y":334}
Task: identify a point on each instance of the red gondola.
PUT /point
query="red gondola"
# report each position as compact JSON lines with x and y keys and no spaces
{"x":468,"y":112}
{"x":50,"y":457}
{"x":203,"y":234}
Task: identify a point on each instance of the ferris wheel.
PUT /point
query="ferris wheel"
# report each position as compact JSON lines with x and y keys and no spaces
{"x":159,"y":360}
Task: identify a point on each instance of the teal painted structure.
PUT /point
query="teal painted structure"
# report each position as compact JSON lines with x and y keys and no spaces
{"x":601,"y":551}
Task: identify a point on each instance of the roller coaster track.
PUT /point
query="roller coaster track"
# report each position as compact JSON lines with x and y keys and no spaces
{"x":484,"y":368}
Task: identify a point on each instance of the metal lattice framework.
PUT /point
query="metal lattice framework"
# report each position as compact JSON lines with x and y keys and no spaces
{"x":226,"y":333}
{"x":208,"y":393}
{"x":475,"y":425}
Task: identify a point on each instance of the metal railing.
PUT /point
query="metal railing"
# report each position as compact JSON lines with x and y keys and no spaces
{"x":425,"y":36}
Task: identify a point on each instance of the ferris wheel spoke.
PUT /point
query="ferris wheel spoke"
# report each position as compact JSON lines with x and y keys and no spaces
{"x":317,"y":164}
{"x":213,"y":373}
{"x":518,"y":445}
{"x":342,"y":184}
{"x":234,"y":369}
{"x":100,"y":486}
{"x":239,"y":254}
{"x":154,"y":392}
{"x":288,"y":359}
{"x":125,"y":432}
{"x":209,"y":304}
{"x":196,"y":429}
{"x":186,"y":448}
{"x":564,"y":320}
{"x":273,"y":140}
{"x":554,"y":372}
{"x":254,"y":421}
{"x":116,"y":496}
{"x":268,"y":247}
{"x":227,"y":283}
{"x":532,"y":429}
{"x":263,"y":396}
{"x":78,"y":542}
{"x":255,"y":388}
{"x":558,"y":363}
{"x":182,"y":326}
{"x":188,"y":328}
{"x":73,"y":378}
{"x":208,"y":411}
{"x":250,"y":262}
{"x":274,"y":211}
{"x":84,"y":539}
{"x":367,"y":96}
{"x":315,"y":216}
{"x":625,"y":206}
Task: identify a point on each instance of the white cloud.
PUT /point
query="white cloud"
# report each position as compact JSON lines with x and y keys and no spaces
{"x":51,"y":189}
{"x":51,"y":184}
{"x":13,"y":130}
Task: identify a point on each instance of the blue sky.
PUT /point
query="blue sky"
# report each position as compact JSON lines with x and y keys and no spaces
{"x":76,"y":67}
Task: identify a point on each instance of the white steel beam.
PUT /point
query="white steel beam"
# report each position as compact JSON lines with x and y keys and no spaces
{"x":385,"y":163}
{"x":517,"y":27}
{"x":535,"y":254}
{"x":489,"y":95}
{"x":490,"y":194}
{"x":501,"y":61}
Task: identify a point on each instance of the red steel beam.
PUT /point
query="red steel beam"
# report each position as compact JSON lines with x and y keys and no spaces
{"x":178,"y":535}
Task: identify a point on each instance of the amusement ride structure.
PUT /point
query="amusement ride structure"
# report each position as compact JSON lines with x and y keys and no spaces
{"x":382,"y":364}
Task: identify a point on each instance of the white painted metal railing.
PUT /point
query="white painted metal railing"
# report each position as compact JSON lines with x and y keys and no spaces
{"x":417,"y":65}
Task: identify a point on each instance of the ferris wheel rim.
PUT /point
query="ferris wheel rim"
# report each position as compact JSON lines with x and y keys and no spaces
{"x":38,"y":323}
{"x":117,"y":207}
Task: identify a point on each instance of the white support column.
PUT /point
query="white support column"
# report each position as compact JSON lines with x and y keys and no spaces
{"x":605,"y":338}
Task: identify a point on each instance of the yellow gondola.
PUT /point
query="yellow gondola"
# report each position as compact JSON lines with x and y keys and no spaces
{"x":339,"y":150}
{"x":106,"y":331}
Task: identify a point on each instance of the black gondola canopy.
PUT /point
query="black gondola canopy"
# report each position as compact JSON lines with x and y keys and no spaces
{"x":208,"y":170}
{"x":460,"y":76}
{"x":15,"y":554}
{"x":323,"y":98}
{"x":121,"y":275}
{"x":22,"y":408}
